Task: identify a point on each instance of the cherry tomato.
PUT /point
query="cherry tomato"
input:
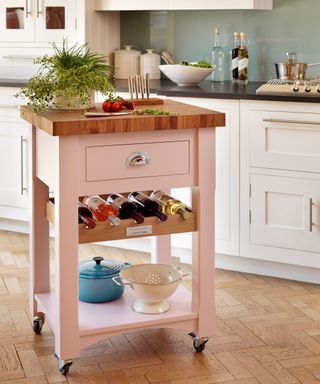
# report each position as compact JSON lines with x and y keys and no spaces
{"x":106,"y":105}
{"x":116,"y":106}
{"x":120,"y":100}
{"x":129,"y":104}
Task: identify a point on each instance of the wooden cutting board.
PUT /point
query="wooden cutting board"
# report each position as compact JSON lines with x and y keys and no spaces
{"x":66,"y":123}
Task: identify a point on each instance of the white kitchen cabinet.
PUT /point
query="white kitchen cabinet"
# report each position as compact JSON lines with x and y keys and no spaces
{"x":280,"y":182}
{"x":285,"y":211}
{"x":227,"y":175}
{"x":14,"y":152}
{"x":37,"y":20}
{"x":127,"y":5}
{"x":218,"y":4}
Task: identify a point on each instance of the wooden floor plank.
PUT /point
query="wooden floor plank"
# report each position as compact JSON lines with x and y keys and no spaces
{"x":268,"y":332}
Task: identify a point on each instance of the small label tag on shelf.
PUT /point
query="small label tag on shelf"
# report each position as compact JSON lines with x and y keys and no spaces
{"x":139,"y":231}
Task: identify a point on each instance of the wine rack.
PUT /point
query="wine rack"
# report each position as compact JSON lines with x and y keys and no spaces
{"x":128,"y":228}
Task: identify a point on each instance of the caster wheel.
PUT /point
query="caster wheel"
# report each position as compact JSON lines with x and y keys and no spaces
{"x":64,"y":366}
{"x":37,"y":324}
{"x":199,"y":343}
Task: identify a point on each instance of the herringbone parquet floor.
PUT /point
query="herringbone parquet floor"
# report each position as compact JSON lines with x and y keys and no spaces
{"x":268,"y":332}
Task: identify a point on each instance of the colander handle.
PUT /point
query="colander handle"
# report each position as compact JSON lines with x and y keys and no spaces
{"x":120,"y":281}
{"x":183,"y":274}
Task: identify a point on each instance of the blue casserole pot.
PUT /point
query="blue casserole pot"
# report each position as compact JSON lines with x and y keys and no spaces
{"x":95,"y":280}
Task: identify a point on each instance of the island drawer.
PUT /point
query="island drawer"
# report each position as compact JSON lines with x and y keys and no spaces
{"x":137,"y":160}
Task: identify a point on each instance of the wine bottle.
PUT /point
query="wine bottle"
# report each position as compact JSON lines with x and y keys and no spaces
{"x":243,"y":59}
{"x":85,"y":216}
{"x":170,"y":205}
{"x":146,"y":206}
{"x":235,"y":57}
{"x":127,"y":209}
{"x":101,"y":210}
{"x":217,"y":59}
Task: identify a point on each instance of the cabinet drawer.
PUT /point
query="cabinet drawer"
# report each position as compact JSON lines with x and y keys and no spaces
{"x":284,"y":140}
{"x":136,"y":160}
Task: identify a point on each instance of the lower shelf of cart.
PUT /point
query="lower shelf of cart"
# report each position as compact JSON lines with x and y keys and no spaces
{"x":118,"y":316}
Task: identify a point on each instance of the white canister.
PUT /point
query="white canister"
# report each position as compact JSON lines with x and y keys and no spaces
{"x":126,"y":62}
{"x":149,"y":63}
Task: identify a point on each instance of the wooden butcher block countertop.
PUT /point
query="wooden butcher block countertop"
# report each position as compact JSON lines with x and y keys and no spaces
{"x":66,"y":123}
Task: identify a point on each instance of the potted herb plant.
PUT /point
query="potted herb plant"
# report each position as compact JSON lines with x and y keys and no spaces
{"x":68,"y":79}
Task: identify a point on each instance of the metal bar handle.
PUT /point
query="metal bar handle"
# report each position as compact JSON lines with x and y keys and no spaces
{"x":28,"y":12}
{"x":291,"y":121}
{"x":22,"y":187}
{"x":311,"y":205}
{"x":39,"y":8}
{"x":6,"y":106}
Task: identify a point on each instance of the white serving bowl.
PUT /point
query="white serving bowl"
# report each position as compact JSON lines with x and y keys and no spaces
{"x":185,"y":75}
{"x":151,"y":284}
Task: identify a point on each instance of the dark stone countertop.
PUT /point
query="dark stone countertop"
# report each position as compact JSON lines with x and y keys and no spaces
{"x":208,"y":89}
{"x":205,"y":89}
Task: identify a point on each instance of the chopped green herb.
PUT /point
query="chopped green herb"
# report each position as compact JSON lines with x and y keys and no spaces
{"x":154,"y":112}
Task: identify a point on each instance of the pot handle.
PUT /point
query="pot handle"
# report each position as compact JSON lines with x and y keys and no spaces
{"x":120,"y":281}
{"x":312,"y":64}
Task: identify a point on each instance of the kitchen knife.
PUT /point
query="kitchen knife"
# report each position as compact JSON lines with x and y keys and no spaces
{"x":147,"y":85}
{"x":136,"y":85}
{"x":130,"y":86}
{"x":141,"y":86}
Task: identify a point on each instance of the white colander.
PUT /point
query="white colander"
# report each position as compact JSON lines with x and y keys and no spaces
{"x":151,"y":284}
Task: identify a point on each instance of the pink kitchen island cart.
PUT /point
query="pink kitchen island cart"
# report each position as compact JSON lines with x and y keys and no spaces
{"x":74,"y":156}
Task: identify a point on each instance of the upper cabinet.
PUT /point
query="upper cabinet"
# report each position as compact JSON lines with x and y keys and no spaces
{"x":218,"y":4}
{"x":129,"y":5}
{"x":37,"y":20}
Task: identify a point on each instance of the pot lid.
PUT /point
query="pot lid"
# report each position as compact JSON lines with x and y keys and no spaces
{"x":98,"y":268}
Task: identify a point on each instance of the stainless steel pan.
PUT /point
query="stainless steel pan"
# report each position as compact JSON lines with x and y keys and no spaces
{"x":292,"y":71}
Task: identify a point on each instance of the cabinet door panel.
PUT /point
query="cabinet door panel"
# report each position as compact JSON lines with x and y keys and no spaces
{"x":55,"y":20}
{"x":227,"y":173}
{"x":285,"y":212}
{"x":16,"y":20}
{"x":13,"y":165}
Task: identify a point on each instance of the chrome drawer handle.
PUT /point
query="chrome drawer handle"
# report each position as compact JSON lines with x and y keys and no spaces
{"x":284,"y":121}
{"x":138,"y":158}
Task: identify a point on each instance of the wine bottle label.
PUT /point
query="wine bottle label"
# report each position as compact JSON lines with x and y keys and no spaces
{"x":93,"y":202}
{"x":116,"y":201}
{"x":140,"y":197}
{"x":235,"y":62}
{"x":243,"y":63}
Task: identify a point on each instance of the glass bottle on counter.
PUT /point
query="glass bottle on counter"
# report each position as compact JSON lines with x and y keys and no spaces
{"x":85,"y":216}
{"x":217,"y":59}
{"x":170,"y":205}
{"x":101,"y":210}
{"x":235,"y":57}
{"x":126,"y":208}
{"x":243,"y":59}
{"x":146,"y":206}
